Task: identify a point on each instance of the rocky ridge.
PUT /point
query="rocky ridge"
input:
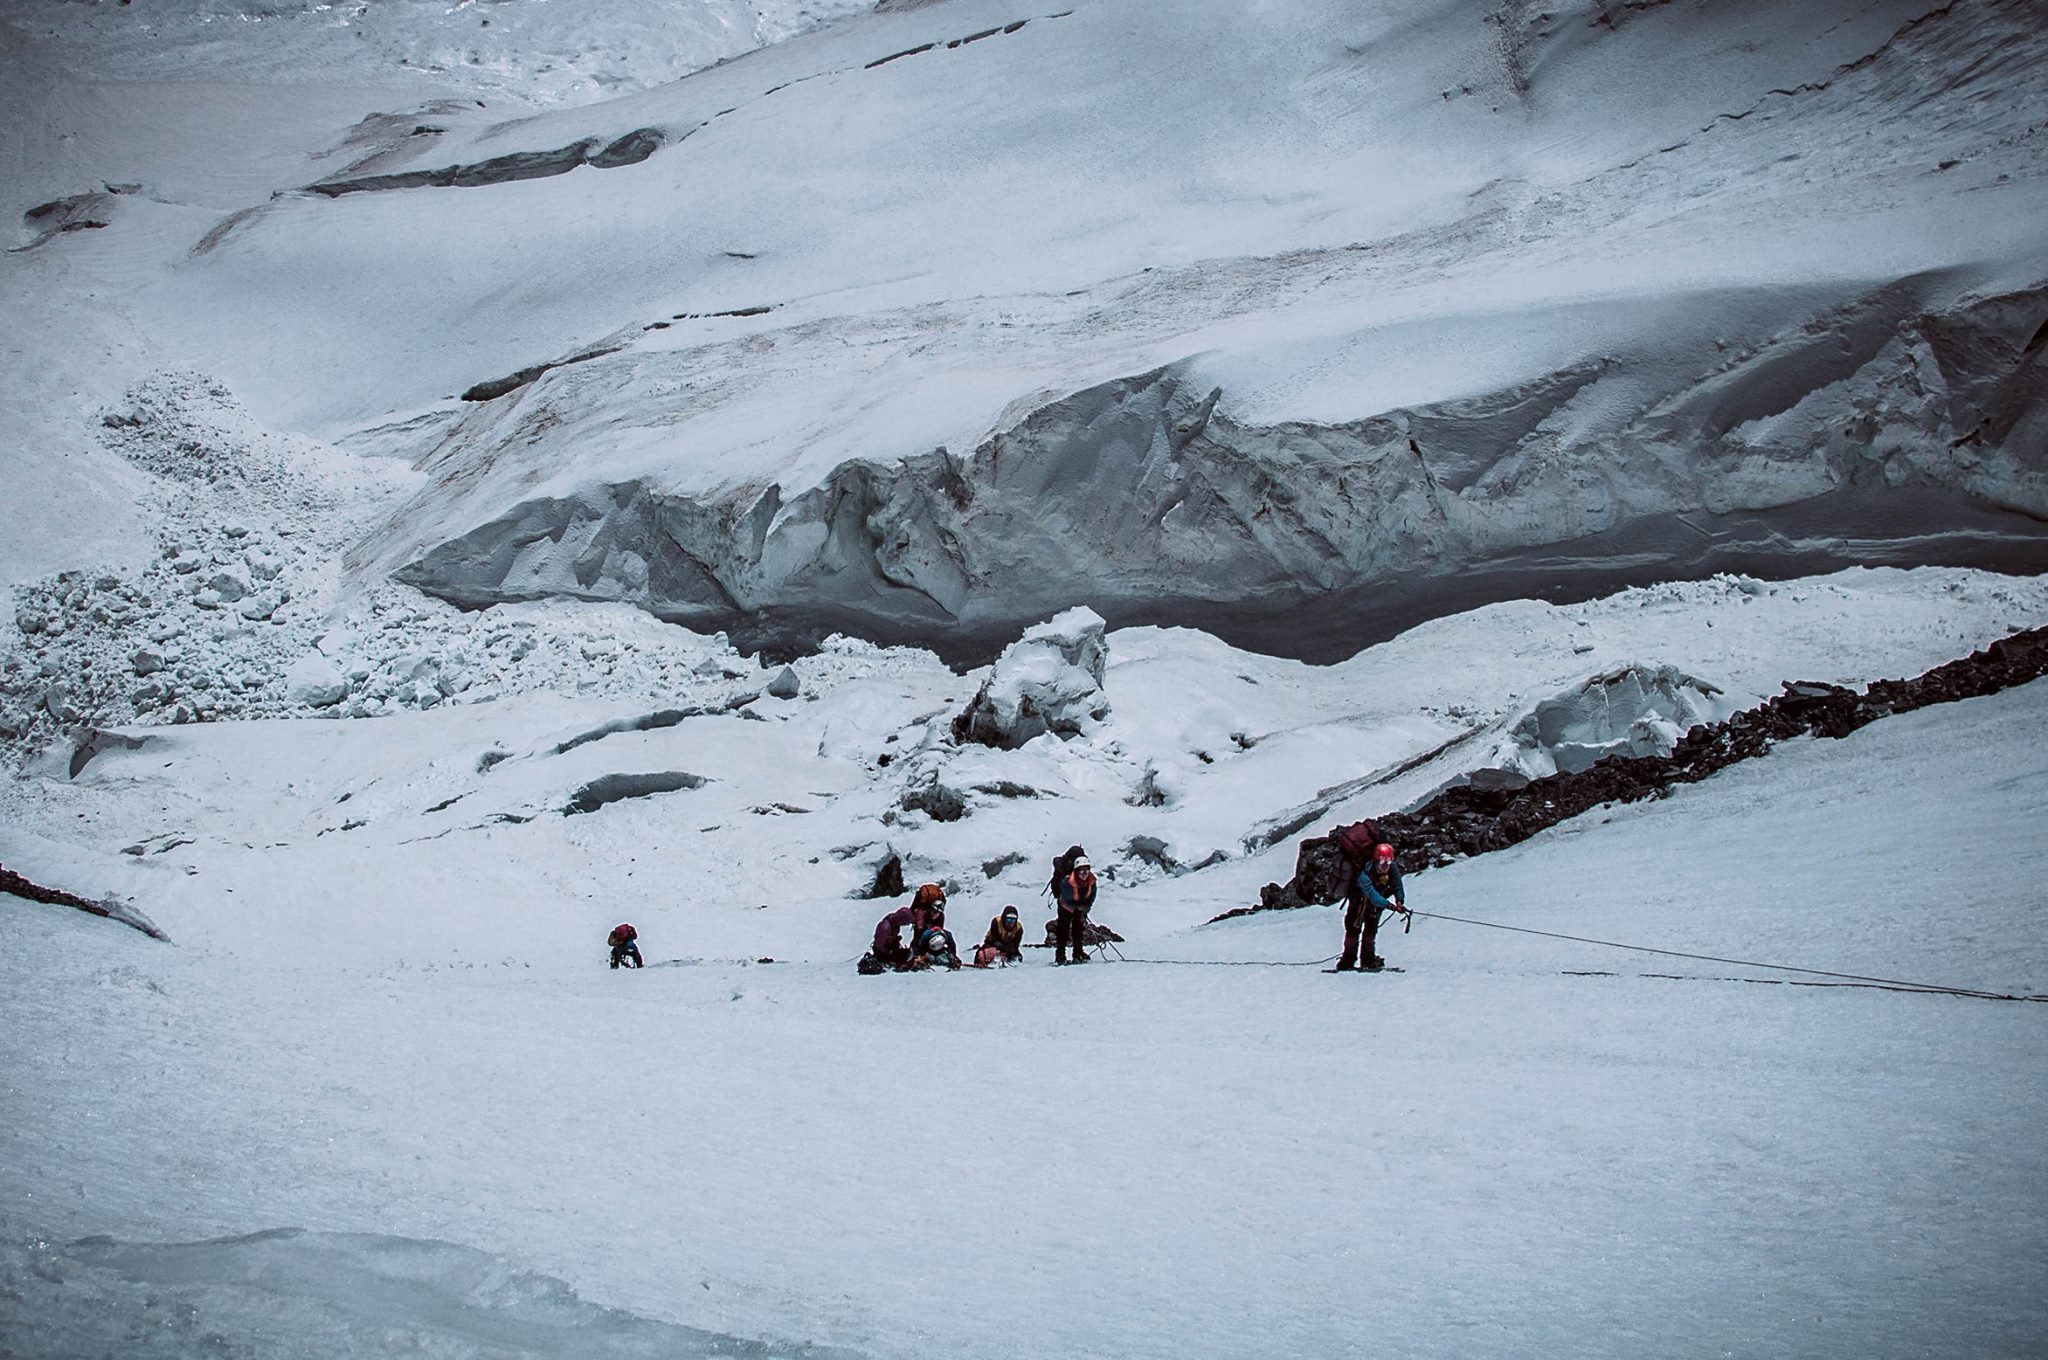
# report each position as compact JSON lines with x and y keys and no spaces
{"x":1475,"y":818}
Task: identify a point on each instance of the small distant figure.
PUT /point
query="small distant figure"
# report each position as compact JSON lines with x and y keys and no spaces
{"x":887,"y":952}
{"x":1076,"y":895}
{"x":624,"y":941}
{"x":1004,"y":943}
{"x":1376,"y":890}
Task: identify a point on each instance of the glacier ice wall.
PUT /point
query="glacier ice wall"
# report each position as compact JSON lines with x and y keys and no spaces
{"x":1877,"y":431}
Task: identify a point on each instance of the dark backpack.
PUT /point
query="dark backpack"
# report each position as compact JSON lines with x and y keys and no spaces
{"x":1357,"y":841}
{"x":1062,"y":865}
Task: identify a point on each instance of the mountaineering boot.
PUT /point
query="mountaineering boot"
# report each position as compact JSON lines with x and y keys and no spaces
{"x":1080,"y":957}
{"x":1373,"y":965}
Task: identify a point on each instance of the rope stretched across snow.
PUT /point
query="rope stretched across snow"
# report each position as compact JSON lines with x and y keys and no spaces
{"x":1844,"y":979}
{"x":1898,"y":984}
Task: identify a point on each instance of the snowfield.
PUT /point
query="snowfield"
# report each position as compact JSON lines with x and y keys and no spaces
{"x":386,"y":1012}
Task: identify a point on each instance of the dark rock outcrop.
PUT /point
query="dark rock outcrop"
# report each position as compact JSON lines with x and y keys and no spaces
{"x":78,"y":212}
{"x":889,"y":879}
{"x":512,"y":382}
{"x":613,"y":788}
{"x":112,"y":909}
{"x":631,"y":149}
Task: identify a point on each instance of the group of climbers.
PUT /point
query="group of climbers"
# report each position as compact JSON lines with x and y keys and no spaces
{"x":1072,"y":888}
{"x":931,"y":944}
{"x":1372,"y":887}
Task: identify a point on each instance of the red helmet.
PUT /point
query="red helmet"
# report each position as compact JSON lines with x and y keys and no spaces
{"x":1383,"y":854}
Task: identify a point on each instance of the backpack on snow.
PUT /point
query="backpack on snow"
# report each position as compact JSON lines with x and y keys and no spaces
{"x":1357,"y":841}
{"x":1062,"y":865}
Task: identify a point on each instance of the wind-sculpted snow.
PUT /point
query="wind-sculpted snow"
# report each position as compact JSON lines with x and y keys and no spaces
{"x":333,"y":1295}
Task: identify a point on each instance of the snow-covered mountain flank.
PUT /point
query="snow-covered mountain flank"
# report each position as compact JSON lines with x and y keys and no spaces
{"x":939,"y":319}
{"x":480,"y":472}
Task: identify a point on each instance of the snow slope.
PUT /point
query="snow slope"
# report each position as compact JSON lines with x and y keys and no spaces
{"x":405,"y":1028}
{"x":530,"y":51}
{"x":936,"y":320}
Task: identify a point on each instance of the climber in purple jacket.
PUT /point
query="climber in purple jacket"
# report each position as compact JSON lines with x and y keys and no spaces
{"x":926,"y":909}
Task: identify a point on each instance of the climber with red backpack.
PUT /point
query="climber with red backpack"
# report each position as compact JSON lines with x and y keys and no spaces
{"x":625,"y":943}
{"x":1369,"y":893}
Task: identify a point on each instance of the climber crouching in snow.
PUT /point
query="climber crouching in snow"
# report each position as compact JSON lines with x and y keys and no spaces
{"x":625,"y":943}
{"x":1004,"y":943}
{"x":934,"y":947}
{"x":888,"y":951}
{"x":1376,"y":889}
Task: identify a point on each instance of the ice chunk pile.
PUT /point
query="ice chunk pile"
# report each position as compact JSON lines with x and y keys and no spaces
{"x":1638,"y":710}
{"x":1049,"y":680}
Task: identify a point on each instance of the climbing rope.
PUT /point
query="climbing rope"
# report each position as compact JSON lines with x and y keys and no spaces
{"x":1897,"y":984}
{"x":1232,"y":963}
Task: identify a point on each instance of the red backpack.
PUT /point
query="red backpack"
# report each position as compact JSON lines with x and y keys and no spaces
{"x":1357,"y":841}
{"x":624,"y":934}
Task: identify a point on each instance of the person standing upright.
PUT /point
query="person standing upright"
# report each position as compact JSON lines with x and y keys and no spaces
{"x":1076,"y":893}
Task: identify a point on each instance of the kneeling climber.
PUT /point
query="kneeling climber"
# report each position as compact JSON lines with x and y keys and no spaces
{"x":625,"y":943}
{"x":888,"y":950}
{"x":1004,"y":942}
{"x":934,"y":947}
